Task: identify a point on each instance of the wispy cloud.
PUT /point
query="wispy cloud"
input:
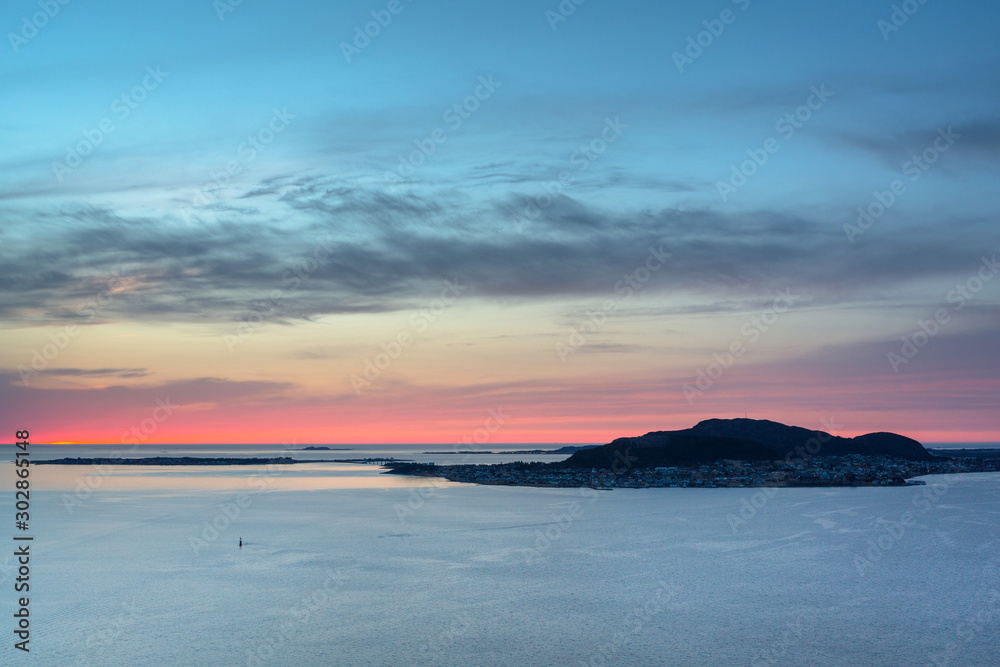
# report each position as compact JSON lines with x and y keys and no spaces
{"x":385,"y":250}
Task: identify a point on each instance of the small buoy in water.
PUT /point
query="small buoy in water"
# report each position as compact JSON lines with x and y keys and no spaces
{"x":241,"y":543}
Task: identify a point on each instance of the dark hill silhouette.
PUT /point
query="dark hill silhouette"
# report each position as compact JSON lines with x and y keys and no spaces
{"x":783,"y":439}
{"x":741,"y":439}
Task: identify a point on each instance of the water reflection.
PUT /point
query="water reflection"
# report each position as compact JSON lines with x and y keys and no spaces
{"x":293,"y":477}
{"x":310,"y":475}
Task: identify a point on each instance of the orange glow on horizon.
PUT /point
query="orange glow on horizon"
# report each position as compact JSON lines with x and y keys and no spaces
{"x":556,"y":434}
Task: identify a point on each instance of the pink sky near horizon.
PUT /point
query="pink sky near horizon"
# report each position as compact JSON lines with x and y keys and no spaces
{"x":294,"y":383}
{"x":594,"y":413}
{"x":584,"y":250}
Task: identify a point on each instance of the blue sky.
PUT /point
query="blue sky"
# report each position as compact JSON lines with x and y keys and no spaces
{"x":606,"y":59}
{"x":153,"y":196}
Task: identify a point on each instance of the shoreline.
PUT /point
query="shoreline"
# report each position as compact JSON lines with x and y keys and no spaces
{"x":208,"y":461}
{"x":817,"y":472}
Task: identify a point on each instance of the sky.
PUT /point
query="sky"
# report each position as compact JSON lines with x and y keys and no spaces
{"x":518,"y":222}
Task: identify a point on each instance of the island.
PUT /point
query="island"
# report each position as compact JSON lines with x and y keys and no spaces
{"x":324,"y":448}
{"x":724,"y":453}
{"x":568,"y":449}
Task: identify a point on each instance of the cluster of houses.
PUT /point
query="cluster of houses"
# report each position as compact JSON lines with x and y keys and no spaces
{"x":811,"y":471}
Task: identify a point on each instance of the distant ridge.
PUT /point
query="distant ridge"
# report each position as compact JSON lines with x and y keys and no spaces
{"x":746,"y":440}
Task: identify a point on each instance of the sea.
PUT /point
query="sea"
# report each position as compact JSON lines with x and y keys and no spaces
{"x":341,"y":564}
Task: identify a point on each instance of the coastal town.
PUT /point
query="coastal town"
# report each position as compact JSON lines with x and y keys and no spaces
{"x":853,"y":470}
{"x":848,"y":470}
